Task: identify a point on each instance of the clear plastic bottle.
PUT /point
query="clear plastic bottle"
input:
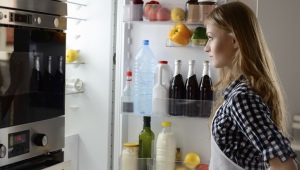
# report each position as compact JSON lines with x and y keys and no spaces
{"x":144,"y":79}
{"x":127,"y":99}
{"x":165,"y":148}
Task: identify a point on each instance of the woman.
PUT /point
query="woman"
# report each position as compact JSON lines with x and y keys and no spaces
{"x":249,"y":122}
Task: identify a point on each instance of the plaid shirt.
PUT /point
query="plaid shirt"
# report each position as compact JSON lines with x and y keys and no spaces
{"x":244,"y":131}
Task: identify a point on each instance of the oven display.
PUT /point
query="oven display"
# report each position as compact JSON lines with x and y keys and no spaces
{"x":18,"y":143}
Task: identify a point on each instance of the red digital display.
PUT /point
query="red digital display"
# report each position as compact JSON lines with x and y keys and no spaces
{"x":19,"y":139}
{"x":21,"y":18}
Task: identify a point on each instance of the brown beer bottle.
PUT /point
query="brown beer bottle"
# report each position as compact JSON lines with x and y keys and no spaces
{"x":191,"y":91}
{"x":205,"y":91}
{"x":177,"y":91}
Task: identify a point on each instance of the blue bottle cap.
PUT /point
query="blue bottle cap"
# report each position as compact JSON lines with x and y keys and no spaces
{"x":145,"y":42}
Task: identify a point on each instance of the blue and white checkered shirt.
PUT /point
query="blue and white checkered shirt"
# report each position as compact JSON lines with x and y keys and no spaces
{"x":244,"y":131}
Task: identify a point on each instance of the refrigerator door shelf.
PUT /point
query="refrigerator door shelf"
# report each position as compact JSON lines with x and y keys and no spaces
{"x":153,"y":164}
{"x":180,"y":108}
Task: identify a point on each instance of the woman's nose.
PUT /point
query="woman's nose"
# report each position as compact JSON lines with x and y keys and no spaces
{"x":207,"y":48}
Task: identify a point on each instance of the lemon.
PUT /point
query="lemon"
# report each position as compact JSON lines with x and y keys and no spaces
{"x":191,"y":160}
{"x":71,"y":55}
{"x":177,"y":14}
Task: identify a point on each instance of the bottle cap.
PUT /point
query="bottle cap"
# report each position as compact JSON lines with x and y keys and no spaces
{"x":178,"y":61}
{"x":205,"y":62}
{"x":147,"y":118}
{"x":166,"y":124}
{"x":192,"y":61}
{"x":162,"y":62}
{"x":145,"y":42}
{"x":131,"y":144}
{"x":128,"y":73}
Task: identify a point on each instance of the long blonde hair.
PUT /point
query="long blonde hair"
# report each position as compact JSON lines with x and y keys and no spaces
{"x":252,"y":59}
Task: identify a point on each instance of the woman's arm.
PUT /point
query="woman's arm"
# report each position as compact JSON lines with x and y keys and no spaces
{"x":276,"y":164}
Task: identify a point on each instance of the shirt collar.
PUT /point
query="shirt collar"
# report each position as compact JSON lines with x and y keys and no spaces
{"x":232,"y":85}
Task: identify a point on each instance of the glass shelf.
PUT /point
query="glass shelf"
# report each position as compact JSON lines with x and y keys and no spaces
{"x":179,"y":108}
{"x":153,"y":164}
{"x":198,"y":43}
{"x":75,"y":62}
{"x":73,"y":92}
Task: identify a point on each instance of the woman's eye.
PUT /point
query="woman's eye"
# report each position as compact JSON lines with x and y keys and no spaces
{"x":210,"y":38}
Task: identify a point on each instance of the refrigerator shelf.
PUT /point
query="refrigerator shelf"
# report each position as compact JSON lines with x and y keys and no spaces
{"x":180,"y":108}
{"x":195,"y":43}
{"x":151,"y":163}
{"x":73,"y":92}
{"x":132,"y":13}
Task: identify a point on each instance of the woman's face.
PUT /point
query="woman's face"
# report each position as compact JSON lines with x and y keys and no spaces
{"x":220,"y":47}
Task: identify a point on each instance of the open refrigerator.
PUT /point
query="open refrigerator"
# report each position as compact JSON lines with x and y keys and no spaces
{"x":192,"y":134}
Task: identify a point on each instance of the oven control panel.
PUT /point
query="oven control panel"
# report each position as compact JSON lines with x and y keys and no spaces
{"x":32,"y":19}
{"x":18,"y":143}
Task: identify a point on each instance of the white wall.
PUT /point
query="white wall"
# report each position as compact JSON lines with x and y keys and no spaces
{"x":280,"y":24}
{"x":91,"y":114}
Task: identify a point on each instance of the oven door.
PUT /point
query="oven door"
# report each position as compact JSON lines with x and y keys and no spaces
{"x":49,"y":161}
{"x":32,"y":74}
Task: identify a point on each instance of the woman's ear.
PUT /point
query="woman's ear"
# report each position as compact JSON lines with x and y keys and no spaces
{"x":235,"y":42}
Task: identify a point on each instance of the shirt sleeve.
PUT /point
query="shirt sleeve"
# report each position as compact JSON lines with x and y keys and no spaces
{"x":253,"y":118}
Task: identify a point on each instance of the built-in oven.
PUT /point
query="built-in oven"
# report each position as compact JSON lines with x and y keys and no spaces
{"x":32,"y":83}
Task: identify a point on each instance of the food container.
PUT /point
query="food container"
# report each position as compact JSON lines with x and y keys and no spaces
{"x":206,"y":6}
{"x":130,"y":156}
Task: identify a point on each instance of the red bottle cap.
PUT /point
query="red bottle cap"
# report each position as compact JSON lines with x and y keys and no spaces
{"x":128,"y":73}
{"x":162,"y":62}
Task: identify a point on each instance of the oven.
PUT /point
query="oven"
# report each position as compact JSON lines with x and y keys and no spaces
{"x":32,"y":83}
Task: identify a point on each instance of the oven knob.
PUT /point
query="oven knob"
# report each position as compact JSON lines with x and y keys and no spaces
{"x":2,"y":151}
{"x":39,"y":20}
{"x":56,"y":22}
{"x":41,"y":140}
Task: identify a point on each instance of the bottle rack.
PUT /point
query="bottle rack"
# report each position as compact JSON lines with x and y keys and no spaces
{"x":201,"y":108}
{"x":151,"y":163}
{"x":74,"y":8}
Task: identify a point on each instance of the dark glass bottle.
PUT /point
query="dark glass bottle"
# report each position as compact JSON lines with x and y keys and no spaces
{"x":177,"y":91}
{"x":146,"y":143}
{"x":48,"y":77}
{"x":191,"y":91}
{"x":36,"y":83}
{"x":205,"y":91}
{"x":60,"y":76}
{"x":59,"y":84}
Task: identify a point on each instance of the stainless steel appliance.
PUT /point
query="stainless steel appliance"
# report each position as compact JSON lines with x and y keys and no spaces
{"x":32,"y":78}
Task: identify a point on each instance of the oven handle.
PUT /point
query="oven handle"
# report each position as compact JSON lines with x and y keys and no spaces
{"x":60,"y":166}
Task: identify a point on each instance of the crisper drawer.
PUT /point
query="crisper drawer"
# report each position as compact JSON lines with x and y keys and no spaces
{"x":61,"y":166}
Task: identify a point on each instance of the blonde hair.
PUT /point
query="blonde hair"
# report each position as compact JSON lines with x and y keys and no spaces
{"x":252,"y":59}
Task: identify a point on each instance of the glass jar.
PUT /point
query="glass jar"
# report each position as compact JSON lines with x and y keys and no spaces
{"x":206,"y":6}
{"x":130,"y":156}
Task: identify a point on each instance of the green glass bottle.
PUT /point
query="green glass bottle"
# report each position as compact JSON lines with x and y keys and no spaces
{"x":146,"y":141}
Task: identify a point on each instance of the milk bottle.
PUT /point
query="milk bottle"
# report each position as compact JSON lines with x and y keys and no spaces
{"x":165,"y":148}
{"x":160,"y":92}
